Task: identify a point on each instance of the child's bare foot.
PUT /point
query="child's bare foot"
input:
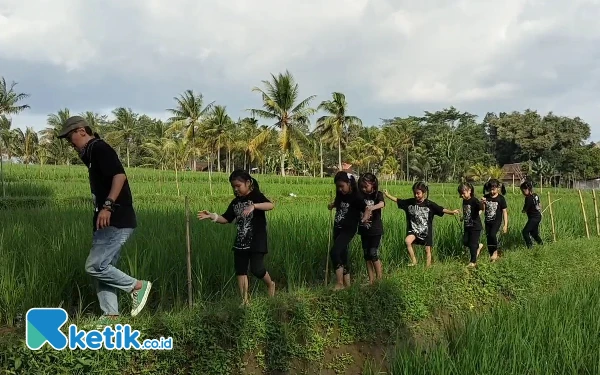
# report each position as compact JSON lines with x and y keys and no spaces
{"x":244,"y":303}
{"x":347,"y":281}
{"x":272,"y":289}
{"x":338,"y":287}
{"x":471,"y":265}
{"x":412,"y":264}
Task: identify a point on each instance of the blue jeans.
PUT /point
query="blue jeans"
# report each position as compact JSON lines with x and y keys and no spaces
{"x":100,"y":265}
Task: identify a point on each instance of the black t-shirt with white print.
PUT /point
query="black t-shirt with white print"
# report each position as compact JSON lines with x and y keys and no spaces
{"x":374,"y":226}
{"x":419,"y":217}
{"x":471,"y":218}
{"x":252,"y":229}
{"x":532,"y":206}
{"x":348,"y":211}
{"x":493,"y":208}
{"x":103,"y":164}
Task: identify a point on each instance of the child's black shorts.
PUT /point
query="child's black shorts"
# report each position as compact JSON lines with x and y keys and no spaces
{"x":427,"y":241}
{"x":370,"y":245}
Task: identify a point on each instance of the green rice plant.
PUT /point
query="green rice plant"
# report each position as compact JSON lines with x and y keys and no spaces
{"x":553,"y":334}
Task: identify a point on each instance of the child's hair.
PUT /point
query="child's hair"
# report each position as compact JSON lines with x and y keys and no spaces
{"x":420,"y":185}
{"x":494,"y":183}
{"x":347,"y":178}
{"x":369,"y":178}
{"x":466,"y":186}
{"x":527,"y":185}
{"x":244,"y":176}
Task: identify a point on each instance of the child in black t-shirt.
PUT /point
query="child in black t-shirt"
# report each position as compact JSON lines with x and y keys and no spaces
{"x":494,"y":204}
{"x":472,"y":207}
{"x":371,"y":231}
{"x":533,"y":208}
{"x":250,"y":245}
{"x":348,"y":205}
{"x":420,"y":212}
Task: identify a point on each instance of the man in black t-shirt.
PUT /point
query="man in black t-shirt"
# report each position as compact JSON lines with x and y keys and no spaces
{"x":114,"y":219}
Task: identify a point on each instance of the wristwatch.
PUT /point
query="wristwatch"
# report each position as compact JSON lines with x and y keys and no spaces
{"x":108,"y":204}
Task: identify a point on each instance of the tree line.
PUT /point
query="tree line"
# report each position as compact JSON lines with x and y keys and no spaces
{"x":278,"y":137}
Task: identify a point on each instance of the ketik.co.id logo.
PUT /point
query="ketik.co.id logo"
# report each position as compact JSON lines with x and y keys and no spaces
{"x":44,"y":324}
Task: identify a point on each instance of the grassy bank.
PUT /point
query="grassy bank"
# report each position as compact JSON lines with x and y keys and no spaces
{"x":314,"y":331}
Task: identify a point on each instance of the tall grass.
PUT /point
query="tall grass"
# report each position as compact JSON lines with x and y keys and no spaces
{"x":556,"y":334}
{"x":44,"y":240}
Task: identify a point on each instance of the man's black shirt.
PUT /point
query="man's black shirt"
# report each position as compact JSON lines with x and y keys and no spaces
{"x":103,"y":164}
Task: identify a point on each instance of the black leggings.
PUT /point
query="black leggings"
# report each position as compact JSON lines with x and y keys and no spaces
{"x":370,"y":245}
{"x":532,"y":229}
{"x":491,"y":234}
{"x":339,"y":251}
{"x":471,"y":240}
{"x":256,"y":261}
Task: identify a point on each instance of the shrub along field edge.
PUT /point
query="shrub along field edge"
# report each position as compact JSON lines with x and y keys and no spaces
{"x":320,"y":331}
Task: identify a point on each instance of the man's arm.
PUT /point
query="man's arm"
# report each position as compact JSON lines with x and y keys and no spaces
{"x":110,"y":166}
{"x":117,"y":184}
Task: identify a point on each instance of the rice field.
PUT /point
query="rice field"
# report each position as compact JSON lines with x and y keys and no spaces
{"x":46,"y":222}
{"x":554,"y":334}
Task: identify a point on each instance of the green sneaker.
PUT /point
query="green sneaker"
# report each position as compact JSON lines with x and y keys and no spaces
{"x":140,"y":297}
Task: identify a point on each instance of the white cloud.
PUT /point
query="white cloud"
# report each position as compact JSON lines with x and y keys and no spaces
{"x":388,"y":53}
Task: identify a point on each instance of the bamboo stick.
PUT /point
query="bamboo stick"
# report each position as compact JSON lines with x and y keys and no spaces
{"x":189,"y":250}
{"x":596,"y":212}
{"x":552,"y":219}
{"x":513,"y":184}
{"x":587,"y":229}
{"x":326,"y":281}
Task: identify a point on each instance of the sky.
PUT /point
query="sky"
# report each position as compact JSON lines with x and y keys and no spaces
{"x":390,"y":58}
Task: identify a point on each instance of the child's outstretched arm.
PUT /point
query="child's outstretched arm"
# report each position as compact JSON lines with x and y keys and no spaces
{"x":449,"y":212}
{"x":389,"y":196}
{"x":377,"y":206}
{"x":203,"y":215}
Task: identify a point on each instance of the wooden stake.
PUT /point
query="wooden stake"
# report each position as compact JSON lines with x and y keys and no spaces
{"x":552,"y":218}
{"x":596,"y":212}
{"x":189,"y":250}
{"x":587,"y":229}
{"x":513,"y":176}
{"x":329,"y":239}
{"x":541,"y":184}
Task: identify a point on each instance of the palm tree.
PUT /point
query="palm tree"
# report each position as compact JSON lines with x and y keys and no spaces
{"x":9,"y":99}
{"x":335,"y":125}
{"x":96,"y":121}
{"x":124,"y":129}
{"x":391,"y":167}
{"x":477,"y":172}
{"x":217,"y":128}
{"x":5,"y":142}
{"x":495,"y":172}
{"x":60,"y":151}
{"x":189,"y":114}
{"x":29,"y":143}
{"x":279,"y":102}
